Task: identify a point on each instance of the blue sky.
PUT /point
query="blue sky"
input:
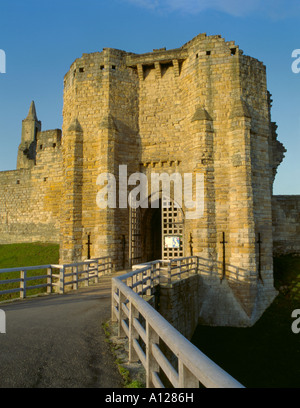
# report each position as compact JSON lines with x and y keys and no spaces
{"x":41,"y":39}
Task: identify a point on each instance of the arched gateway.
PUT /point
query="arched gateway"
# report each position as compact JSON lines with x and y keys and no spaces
{"x":156,"y":232}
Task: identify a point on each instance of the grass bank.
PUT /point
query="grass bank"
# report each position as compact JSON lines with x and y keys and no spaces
{"x":32,"y":254}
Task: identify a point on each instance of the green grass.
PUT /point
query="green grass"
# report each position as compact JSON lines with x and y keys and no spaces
{"x":128,"y":382}
{"x":32,"y":254}
{"x":266,"y":355}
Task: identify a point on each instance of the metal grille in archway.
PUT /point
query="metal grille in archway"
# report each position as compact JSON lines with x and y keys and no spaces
{"x":172,"y":229}
{"x":172,"y":232}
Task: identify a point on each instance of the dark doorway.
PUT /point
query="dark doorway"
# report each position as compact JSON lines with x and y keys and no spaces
{"x":152,"y":234}
{"x":156,"y":234}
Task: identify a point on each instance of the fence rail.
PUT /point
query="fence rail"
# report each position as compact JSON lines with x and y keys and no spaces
{"x":57,"y":276}
{"x":147,"y":330}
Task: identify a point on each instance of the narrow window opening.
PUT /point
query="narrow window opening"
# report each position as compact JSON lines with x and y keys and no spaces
{"x":41,"y":147}
{"x":113,"y":67}
{"x":54,"y":144}
{"x":18,"y":181}
{"x":165,"y":67}
{"x":233,"y":51}
{"x":147,"y":69}
{"x":102,"y":67}
{"x":197,"y":55}
{"x":81,"y":69}
{"x":208,"y":52}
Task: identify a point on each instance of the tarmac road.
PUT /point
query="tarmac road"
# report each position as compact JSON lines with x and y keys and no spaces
{"x":58,"y":341}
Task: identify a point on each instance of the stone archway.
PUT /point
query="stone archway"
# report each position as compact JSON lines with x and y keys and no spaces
{"x":156,"y":233}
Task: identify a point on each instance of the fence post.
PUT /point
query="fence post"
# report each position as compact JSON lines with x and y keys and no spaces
{"x":151,"y":283}
{"x":113,"y":301}
{"x":186,"y":378}
{"x":137,"y":280}
{"x":133,"y":334}
{"x":75,"y":284}
{"x":169,"y":273}
{"x":23,"y":276}
{"x":142,"y":274}
{"x":191,"y":266}
{"x":151,"y":363}
{"x":121,"y":332}
{"x":132,"y":283}
{"x":179,"y":267}
{"x":97,"y":271}
{"x":197,"y":266}
{"x":86,"y":274}
{"x":106,"y":266}
{"x":62,"y":280}
{"x":49,"y":280}
{"x":157,"y":272}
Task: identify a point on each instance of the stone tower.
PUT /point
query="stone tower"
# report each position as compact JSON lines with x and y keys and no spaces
{"x":203,"y":110}
{"x":27,"y":148}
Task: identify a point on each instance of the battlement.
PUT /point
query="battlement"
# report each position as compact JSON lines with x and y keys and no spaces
{"x":203,"y":49}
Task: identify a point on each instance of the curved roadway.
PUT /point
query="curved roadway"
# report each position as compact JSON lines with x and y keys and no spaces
{"x":58,"y":341}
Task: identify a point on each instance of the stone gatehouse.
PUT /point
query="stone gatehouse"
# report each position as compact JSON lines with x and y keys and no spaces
{"x":202,"y":109}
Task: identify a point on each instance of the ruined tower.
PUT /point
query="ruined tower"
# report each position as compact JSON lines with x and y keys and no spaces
{"x":27,"y":148}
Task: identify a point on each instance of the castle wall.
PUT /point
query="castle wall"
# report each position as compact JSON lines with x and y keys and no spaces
{"x":30,"y":198}
{"x":286,"y":224}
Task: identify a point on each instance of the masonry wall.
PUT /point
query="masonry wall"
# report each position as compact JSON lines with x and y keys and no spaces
{"x":286,"y":224}
{"x":179,"y":305}
{"x":100,"y":132}
{"x":30,"y":199}
{"x":200,"y":109}
{"x":204,"y":299}
{"x":193,"y":117}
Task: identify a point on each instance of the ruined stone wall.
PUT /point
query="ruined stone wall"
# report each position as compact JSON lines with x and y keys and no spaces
{"x":30,"y":199}
{"x":286,"y":224}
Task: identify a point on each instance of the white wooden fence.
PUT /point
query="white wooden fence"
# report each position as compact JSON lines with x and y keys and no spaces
{"x":57,"y":276}
{"x":146,"y":329}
